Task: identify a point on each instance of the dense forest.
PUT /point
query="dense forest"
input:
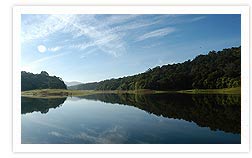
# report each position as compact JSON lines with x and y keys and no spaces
{"x":30,"y":81}
{"x":220,"y":69}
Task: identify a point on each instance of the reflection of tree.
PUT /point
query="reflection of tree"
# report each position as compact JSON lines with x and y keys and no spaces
{"x":29,"y":105}
{"x":218,"y":112}
{"x":225,"y":109}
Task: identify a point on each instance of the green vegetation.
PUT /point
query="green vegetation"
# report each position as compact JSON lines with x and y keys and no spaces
{"x":216,"y":70}
{"x":55,"y":93}
{"x":62,"y":93}
{"x":30,"y":81}
{"x":236,"y":90}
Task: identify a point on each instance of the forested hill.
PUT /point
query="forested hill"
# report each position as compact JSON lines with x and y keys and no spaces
{"x":30,"y":81}
{"x":220,"y":69}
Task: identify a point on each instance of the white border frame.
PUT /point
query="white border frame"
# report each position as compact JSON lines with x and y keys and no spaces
{"x":243,"y":147}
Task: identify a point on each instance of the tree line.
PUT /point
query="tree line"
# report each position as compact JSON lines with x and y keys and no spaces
{"x":30,"y":81}
{"x":221,"y":69}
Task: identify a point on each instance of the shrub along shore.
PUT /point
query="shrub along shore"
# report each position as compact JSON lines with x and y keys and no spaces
{"x":58,"y":93}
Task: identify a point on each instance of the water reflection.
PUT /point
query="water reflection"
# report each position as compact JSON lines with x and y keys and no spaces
{"x":132,"y":119}
{"x":29,"y":105}
{"x":218,"y":112}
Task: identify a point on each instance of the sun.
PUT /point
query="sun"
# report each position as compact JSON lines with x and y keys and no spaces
{"x":41,"y":48}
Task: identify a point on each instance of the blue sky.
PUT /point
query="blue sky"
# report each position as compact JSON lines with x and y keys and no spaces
{"x":89,"y":48}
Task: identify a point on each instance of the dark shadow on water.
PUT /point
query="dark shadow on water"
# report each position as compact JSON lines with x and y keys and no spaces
{"x":218,"y":112}
{"x":29,"y":105}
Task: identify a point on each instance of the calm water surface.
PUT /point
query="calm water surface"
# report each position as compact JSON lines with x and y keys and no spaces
{"x":130,"y":119}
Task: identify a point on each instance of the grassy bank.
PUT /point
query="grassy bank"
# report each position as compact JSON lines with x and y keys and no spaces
{"x":58,"y":93}
{"x":54,"y":93}
{"x":61,"y":93}
{"x":236,"y":90}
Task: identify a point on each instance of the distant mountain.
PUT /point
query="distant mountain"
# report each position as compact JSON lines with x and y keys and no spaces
{"x":215,"y":70}
{"x":85,"y":86}
{"x":72,"y":83}
{"x":30,"y":81}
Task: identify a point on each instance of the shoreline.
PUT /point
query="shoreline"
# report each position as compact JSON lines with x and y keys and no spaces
{"x":63,"y":93}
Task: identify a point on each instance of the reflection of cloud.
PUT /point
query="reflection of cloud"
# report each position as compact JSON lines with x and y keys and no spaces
{"x":113,"y":135}
{"x":50,"y":125}
{"x":54,"y":133}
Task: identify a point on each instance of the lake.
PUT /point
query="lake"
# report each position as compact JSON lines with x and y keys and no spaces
{"x":132,"y":119}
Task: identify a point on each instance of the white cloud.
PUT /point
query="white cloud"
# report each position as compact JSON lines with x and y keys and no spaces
{"x":97,"y":36}
{"x":48,"y":58}
{"x":120,"y":18}
{"x":131,"y":26}
{"x":97,"y":33}
{"x":34,"y":64}
{"x":43,"y":26}
{"x":107,"y":33}
{"x":87,"y":53}
{"x":178,"y":19}
{"x":54,"y":49}
{"x":156,"y":33}
{"x":197,"y":18}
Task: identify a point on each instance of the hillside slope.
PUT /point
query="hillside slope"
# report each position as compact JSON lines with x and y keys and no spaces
{"x":215,"y":70}
{"x":30,"y":81}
